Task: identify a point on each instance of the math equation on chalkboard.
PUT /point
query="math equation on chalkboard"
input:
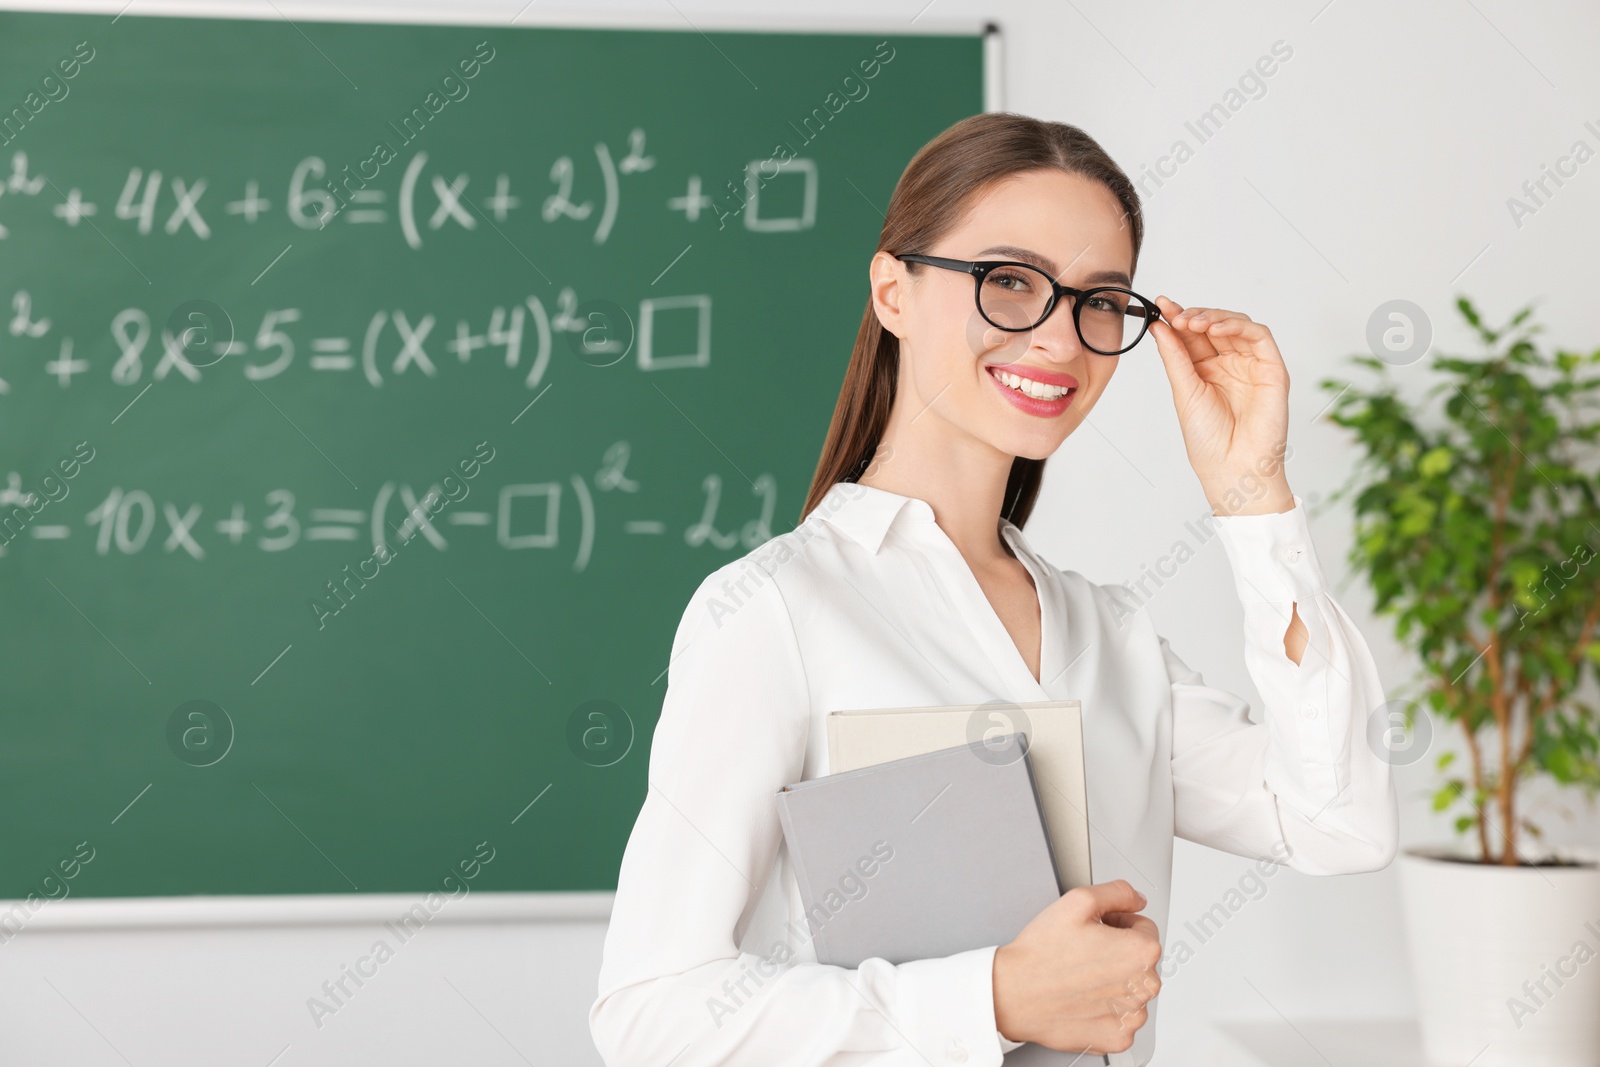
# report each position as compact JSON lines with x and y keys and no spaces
{"x":513,"y":516}
{"x":313,"y":196}
{"x":659,"y":332}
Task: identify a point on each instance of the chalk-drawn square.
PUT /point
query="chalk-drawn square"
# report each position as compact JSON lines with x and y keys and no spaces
{"x":700,"y":357}
{"x":546,"y":539}
{"x":806,"y":170}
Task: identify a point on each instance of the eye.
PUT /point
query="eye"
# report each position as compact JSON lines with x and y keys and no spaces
{"x":1115,"y":303}
{"x":1011,"y":281}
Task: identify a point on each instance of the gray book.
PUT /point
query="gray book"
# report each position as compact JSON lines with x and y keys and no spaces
{"x":923,"y":857}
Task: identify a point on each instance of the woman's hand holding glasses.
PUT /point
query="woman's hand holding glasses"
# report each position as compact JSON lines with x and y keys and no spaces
{"x":1231,"y":390}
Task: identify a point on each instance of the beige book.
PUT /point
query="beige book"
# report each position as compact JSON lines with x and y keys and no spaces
{"x":868,"y":736}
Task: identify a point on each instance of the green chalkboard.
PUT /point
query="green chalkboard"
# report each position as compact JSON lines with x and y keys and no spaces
{"x":579,"y":306}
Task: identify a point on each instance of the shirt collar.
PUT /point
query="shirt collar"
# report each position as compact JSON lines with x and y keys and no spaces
{"x":865,"y":512}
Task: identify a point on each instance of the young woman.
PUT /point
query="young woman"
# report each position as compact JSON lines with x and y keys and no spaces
{"x":1000,"y":302}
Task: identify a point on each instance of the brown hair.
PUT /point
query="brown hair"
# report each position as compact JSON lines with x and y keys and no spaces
{"x":928,"y":201}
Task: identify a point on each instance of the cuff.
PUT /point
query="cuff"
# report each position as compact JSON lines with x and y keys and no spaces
{"x":1272,"y":556}
{"x":949,"y":1005}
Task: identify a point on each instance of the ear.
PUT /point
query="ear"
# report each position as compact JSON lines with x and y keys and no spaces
{"x":888,"y":283}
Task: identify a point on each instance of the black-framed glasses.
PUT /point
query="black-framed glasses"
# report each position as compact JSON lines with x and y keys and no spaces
{"x":1017,"y":296}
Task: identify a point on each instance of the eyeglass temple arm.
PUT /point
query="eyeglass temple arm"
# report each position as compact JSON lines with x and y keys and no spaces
{"x":961,"y":265}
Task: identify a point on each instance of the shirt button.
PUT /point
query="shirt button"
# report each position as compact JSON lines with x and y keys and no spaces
{"x":1308,"y":711}
{"x":957,"y":1053}
{"x":1292,"y":555}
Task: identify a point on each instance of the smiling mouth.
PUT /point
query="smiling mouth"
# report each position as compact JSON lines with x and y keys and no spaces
{"x":1031,"y":388}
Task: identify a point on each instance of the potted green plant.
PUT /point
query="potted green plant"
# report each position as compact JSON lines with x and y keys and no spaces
{"x":1478,"y":528}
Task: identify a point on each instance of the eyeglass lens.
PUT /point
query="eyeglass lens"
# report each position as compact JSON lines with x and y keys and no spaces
{"x":1015,"y":297}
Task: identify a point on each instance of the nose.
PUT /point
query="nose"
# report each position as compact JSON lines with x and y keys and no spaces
{"x":1057,"y":336}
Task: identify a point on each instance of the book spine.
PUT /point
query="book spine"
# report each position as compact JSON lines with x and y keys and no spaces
{"x":790,"y":838}
{"x":1038,"y":802}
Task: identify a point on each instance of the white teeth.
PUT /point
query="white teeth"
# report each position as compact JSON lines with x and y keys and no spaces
{"x":1029,"y":387}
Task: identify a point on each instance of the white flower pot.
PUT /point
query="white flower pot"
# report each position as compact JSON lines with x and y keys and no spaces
{"x":1506,"y":961}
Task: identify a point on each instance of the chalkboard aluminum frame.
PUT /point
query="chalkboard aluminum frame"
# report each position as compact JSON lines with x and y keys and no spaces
{"x":463,"y":14}
{"x":435,"y":12}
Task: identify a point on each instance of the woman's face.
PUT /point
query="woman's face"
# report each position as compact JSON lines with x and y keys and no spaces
{"x":1073,"y":229}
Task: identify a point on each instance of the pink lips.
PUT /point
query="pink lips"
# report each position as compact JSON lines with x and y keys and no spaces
{"x":1032,"y":405}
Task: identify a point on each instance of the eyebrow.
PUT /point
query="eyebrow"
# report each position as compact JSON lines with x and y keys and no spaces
{"x":1046,"y":264}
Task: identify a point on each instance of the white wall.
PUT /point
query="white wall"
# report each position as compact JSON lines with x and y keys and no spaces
{"x":1377,"y":165}
{"x":456,"y":991}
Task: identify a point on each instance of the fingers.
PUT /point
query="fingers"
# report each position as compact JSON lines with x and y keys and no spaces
{"x":1210,"y":322}
{"x":1115,"y":1032}
{"x":1209,"y":333}
{"x":1128,"y":1009}
{"x":1179,"y":326}
{"x":1103,"y":897}
{"x":1201,"y":317}
{"x":1228,"y":331}
{"x":1192,"y":326}
{"x":1129,"y":921}
{"x":1177,"y":352}
{"x":1247,"y":339}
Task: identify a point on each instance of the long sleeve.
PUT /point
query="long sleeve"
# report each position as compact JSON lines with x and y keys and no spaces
{"x":674,"y":986}
{"x":1306,"y":778}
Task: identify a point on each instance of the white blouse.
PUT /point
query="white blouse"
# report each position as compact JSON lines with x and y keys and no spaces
{"x":867,"y":603}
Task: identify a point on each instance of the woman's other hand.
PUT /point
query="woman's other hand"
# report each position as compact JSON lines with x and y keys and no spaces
{"x":1079,"y":975}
